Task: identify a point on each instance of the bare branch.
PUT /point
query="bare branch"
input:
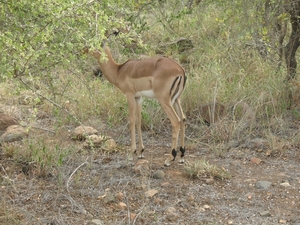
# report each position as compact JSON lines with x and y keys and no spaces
{"x":82,"y":164}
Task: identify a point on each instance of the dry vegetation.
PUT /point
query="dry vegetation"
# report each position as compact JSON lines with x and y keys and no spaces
{"x":50,"y":179}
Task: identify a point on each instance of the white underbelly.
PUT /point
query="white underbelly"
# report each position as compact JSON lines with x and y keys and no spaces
{"x":147,"y":94}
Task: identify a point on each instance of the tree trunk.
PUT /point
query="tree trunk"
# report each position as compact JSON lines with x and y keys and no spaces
{"x":293,"y":44}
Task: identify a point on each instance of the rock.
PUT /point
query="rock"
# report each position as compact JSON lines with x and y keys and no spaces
{"x":172,"y":217}
{"x":207,"y":207}
{"x":95,"y":222}
{"x":249,"y":196}
{"x":6,"y":121}
{"x":80,"y":133}
{"x":93,"y":141}
{"x":159,"y":174}
{"x":109,"y":145}
{"x":109,"y":198}
{"x":13,"y":133}
{"x":255,"y":160}
{"x":209,"y":180}
{"x":171,"y":214}
{"x":265,"y":213}
{"x":263,"y":184}
{"x":285,"y":183}
{"x":170,"y":210}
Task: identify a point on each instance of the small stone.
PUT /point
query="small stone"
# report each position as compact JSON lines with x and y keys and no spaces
{"x":207,"y":207}
{"x":282,"y":221}
{"x":172,"y":217}
{"x":109,"y":198}
{"x":209,"y":180}
{"x":159,"y":174}
{"x":265,"y":213}
{"x":230,"y":222}
{"x":263,"y":184}
{"x":170,"y":210}
{"x":255,"y":160}
{"x":285,"y":184}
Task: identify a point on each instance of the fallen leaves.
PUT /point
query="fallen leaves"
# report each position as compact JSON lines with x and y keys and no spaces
{"x":151,"y":193}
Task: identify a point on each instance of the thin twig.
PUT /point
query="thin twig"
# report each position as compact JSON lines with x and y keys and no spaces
{"x":128,"y":210}
{"x":7,"y":178}
{"x":138,"y":214}
{"x":82,"y":164}
{"x":40,"y":128}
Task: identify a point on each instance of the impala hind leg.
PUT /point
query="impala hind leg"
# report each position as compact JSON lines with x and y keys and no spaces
{"x":175,"y":121}
{"x":179,"y":112}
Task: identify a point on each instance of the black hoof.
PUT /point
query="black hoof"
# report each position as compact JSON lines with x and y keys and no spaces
{"x":174,"y":153}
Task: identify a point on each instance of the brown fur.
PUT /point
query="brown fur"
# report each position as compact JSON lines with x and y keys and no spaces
{"x":162,"y":75}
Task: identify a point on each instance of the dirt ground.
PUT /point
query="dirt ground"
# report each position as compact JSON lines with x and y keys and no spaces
{"x":101,"y":188}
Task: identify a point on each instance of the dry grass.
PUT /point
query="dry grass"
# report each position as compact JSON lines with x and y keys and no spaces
{"x":204,"y":169}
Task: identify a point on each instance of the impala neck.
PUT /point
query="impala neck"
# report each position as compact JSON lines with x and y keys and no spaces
{"x":109,"y":67}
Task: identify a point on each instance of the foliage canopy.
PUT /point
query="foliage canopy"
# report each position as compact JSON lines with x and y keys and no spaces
{"x":38,"y":35}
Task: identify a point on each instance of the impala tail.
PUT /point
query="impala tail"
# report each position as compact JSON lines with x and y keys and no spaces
{"x":177,"y":87}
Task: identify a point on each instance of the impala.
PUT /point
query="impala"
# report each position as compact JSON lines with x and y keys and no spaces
{"x":158,"y":77}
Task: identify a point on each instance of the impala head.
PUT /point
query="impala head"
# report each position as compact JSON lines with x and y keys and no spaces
{"x":95,"y":53}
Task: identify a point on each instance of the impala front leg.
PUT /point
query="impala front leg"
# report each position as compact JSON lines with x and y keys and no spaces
{"x":132,"y":119}
{"x":138,"y":123}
